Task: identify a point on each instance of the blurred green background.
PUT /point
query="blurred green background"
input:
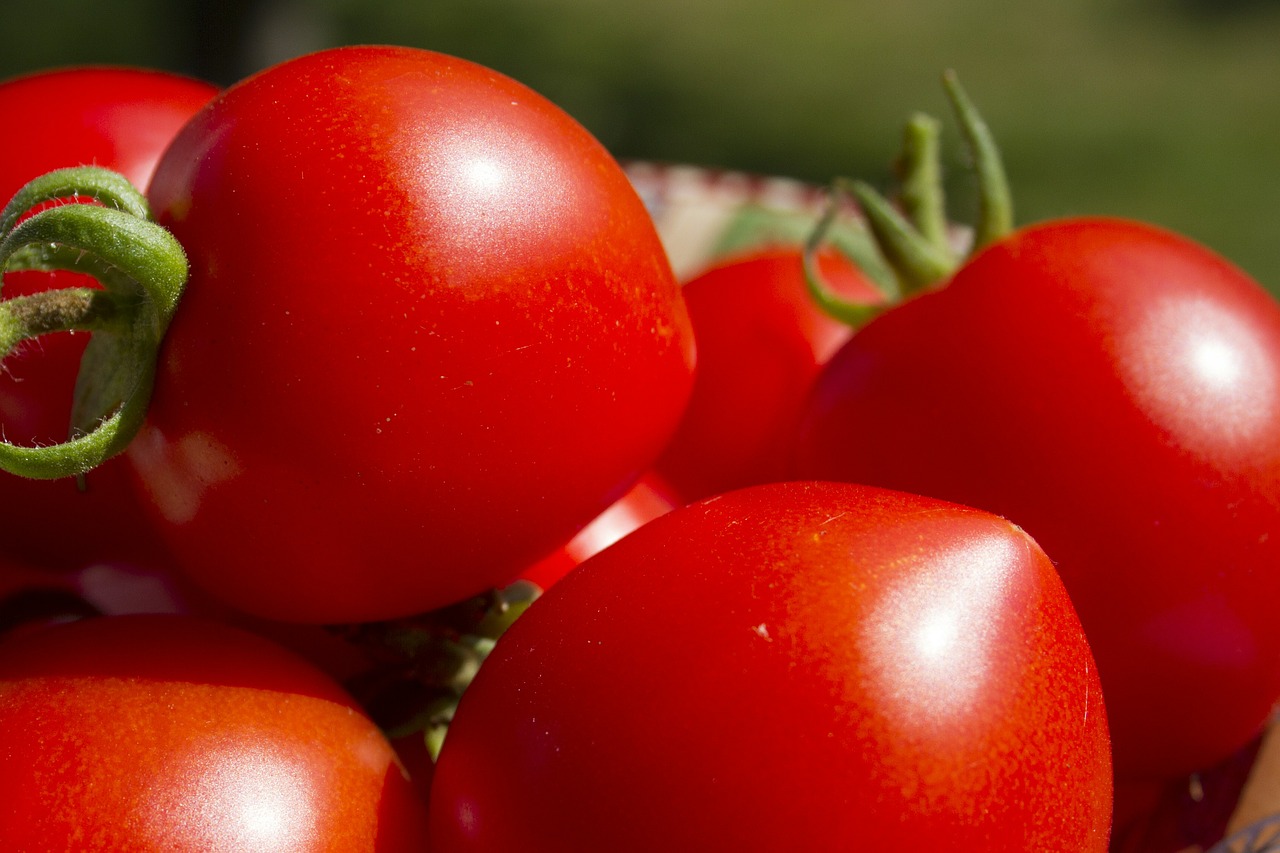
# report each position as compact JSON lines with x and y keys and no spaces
{"x":1165,"y":110}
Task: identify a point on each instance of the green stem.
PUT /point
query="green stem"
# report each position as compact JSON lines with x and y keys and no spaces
{"x":74,"y":308}
{"x":995,"y":202}
{"x":142,"y":270}
{"x":855,"y":314}
{"x":920,"y":178}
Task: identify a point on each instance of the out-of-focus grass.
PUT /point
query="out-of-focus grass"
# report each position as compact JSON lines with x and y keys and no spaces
{"x":1166,"y":110}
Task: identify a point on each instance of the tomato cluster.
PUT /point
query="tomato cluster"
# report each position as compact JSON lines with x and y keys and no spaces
{"x":470,"y":547}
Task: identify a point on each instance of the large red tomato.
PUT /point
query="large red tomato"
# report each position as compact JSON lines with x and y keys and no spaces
{"x":797,"y":666}
{"x":761,"y":339}
{"x":429,"y":333}
{"x":1115,"y":390}
{"x":121,"y":119}
{"x":150,"y":733}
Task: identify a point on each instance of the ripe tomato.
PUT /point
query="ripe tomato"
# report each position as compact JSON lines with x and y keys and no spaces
{"x":1115,"y":390}
{"x":796,"y":666}
{"x":169,"y":733}
{"x":122,"y":119}
{"x":429,"y":333}
{"x":761,"y":339}
{"x":119,"y":118}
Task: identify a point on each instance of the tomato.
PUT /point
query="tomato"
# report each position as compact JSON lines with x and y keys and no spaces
{"x":796,"y":666}
{"x":118,"y":117}
{"x":1115,"y":390}
{"x":761,"y":339}
{"x":170,"y":733}
{"x":122,"y":119}
{"x":429,"y":333}
{"x":643,"y":502}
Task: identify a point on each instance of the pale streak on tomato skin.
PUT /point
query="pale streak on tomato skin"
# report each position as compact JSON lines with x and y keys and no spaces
{"x":175,"y":475}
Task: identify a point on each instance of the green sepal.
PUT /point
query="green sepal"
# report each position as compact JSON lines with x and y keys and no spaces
{"x":995,"y":201}
{"x":854,"y":314}
{"x":915,"y":239}
{"x":918,"y":261}
{"x":755,"y":225}
{"x":919,"y":172}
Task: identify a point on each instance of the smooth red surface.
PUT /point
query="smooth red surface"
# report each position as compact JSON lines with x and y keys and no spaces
{"x":165,"y":733}
{"x":1115,"y":390}
{"x":761,"y":340}
{"x":122,"y":119}
{"x":119,"y":118}
{"x":429,"y":333}
{"x":800,"y":666}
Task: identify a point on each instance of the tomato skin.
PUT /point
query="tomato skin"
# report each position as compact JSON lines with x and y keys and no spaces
{"x":649,"y":498}
{"x":1115,"y":390}
{"x":122,"y":119}
{"x":429,"y":333}
{"x":169,"y":733}
{"x":761,"y":339}
{"x":797,"y":666}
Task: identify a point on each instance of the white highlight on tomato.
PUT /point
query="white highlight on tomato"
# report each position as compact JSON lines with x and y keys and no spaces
{"x":935,"y":637}
{"x":244,"y":800}
{"x":484,"y":175}
{"x":1202,"y":374}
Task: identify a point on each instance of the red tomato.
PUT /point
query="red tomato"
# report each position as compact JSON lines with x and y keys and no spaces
{"x":761,"y":339}
{"x":797,"y":666}
{"x":429,"y":333}
{"x":645,"y":501}
{"x":118,"y":118}
{"x":167,"y":733}
{"x":122,"y":119}
{"x":1114,"y":389}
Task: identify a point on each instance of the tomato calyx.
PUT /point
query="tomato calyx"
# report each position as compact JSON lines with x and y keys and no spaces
{"x":913,"y":234}
{"x":90,"y":220}
{"x":420,"y":666}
